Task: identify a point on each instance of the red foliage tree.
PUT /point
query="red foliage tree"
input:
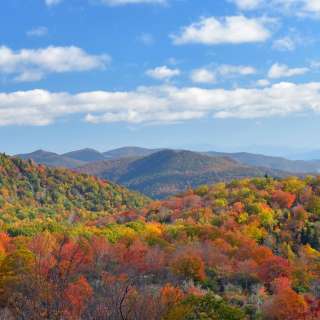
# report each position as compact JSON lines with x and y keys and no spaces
{"x":284,"y":199}
{"x":272,"y":268}
{"x":285,"y":304}
{"x":189,"y":265}
{"x":77,"y":294}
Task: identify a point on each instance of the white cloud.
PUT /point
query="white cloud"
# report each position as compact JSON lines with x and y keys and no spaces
{"x":292,"y":41}
{"x":231,"y":70}
{"x":34,"y":64}
{"x":159,"y":104}
{"x":163,"y":73}
{"x":234,"y":30}
{"x":126,"y":2}
{"x":38,"y":32}
{"x":312,"y":6}
{"x":299,"y":7}
{"x":247,"y":4}
{"x":211,"y":75}
{"x":283,"y":71}
{"x":284,"y":44}
{"x":203,"y":75}
{"x":52,"y":2}
{"x":295,"y":7}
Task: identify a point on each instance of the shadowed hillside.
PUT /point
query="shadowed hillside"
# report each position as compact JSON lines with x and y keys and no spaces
{"x":168,"y":172}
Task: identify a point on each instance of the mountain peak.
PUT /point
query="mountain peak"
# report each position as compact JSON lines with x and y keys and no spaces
{"x":85,"y":155}
{"x":42,"y":152}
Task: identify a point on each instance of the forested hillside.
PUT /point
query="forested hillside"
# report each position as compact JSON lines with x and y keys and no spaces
{"x":248,"y":249}
{"x":33,"y":192}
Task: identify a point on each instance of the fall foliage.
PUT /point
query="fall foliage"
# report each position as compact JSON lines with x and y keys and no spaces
{"x":72,"y":247}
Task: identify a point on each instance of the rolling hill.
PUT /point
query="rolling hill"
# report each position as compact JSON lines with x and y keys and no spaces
{"x":23,"y":184}
{"x":168,"y":172}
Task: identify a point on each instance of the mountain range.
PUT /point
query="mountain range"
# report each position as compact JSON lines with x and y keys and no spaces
{"x":160,"y":173}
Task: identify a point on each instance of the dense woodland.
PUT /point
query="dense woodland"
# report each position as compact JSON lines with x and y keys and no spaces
{"x":76,"y":247}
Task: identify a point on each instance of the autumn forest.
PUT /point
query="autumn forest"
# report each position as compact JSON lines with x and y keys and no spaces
{"x":73,"y":246}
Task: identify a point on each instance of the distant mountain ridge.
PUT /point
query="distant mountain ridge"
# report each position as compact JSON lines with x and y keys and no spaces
{"x":162,"y":172}
{"x":74,"y":159}
{"x":278,"y":163}
{"x":51,"y":159}
{"x":167,"y":172}
{"x":81,"y":157}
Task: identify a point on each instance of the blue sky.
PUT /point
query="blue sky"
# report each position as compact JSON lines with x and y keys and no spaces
{"x":225,"y":74}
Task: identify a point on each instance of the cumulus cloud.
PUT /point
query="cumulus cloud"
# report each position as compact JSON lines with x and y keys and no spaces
{"x":203,"y":75}
{"x":163,"y":73}
{"x":34,"y":64}
{"x":284,"y":44}
{"x":159,"y":104}
{"x":233,"y":30}
{"x":312,"y":6}
{"x":283,"y":71}
{"x":38,"y":32}
{"x":210,"y":75}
